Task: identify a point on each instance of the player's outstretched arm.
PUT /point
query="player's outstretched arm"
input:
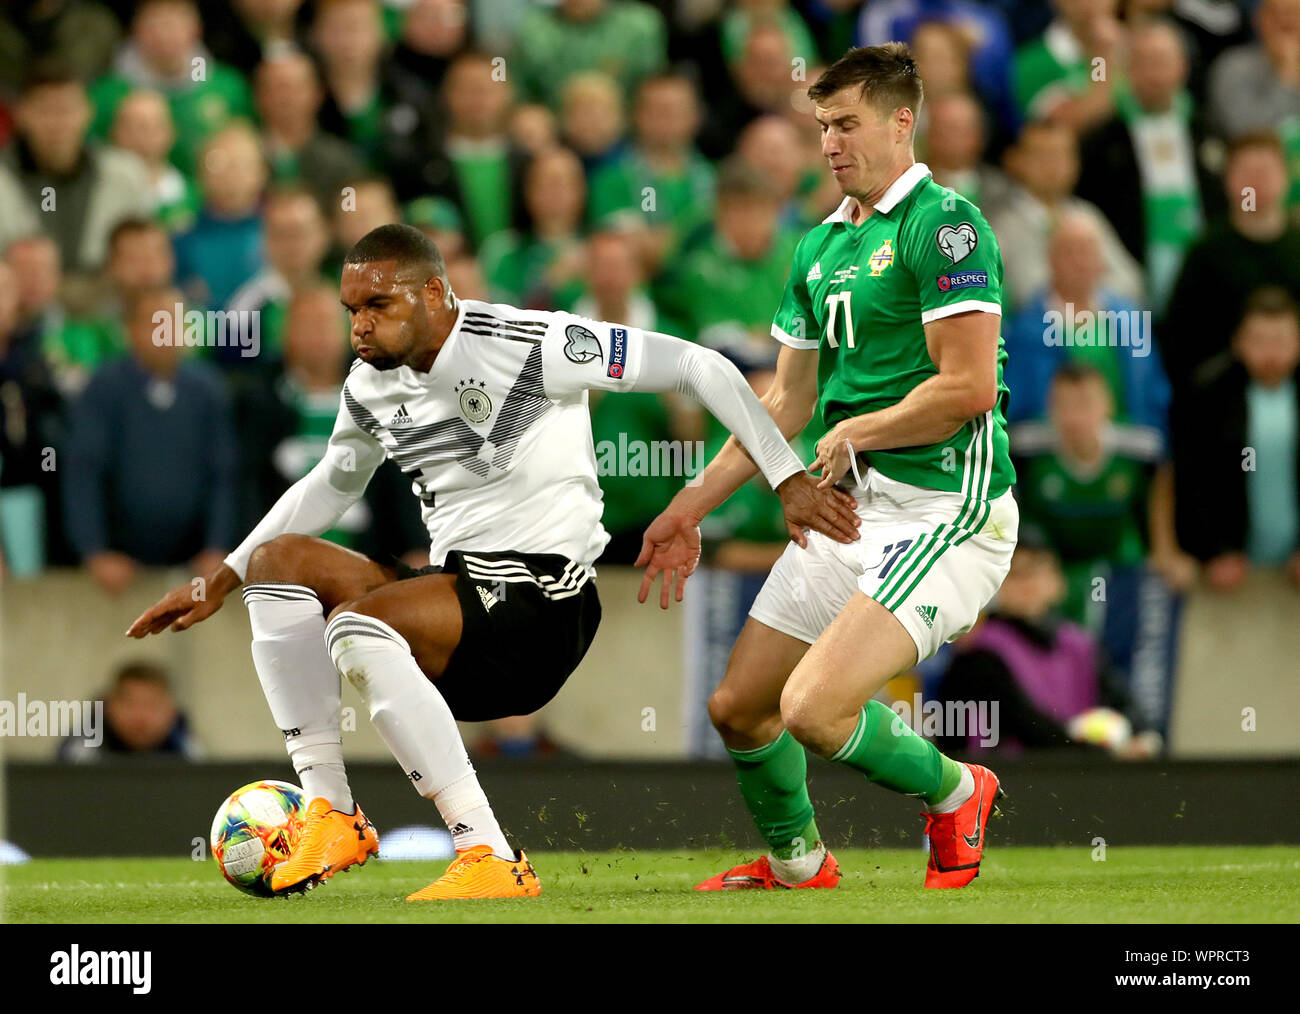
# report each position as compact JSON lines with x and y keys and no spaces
{"x":312,"y":505}
{"x":760,"y":431}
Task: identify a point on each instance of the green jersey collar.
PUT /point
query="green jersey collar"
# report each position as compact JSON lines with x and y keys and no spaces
{"x":890,"y":199}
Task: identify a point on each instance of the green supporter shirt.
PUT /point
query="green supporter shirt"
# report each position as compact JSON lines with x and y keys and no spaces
{"x":198,"y":110}
{"x":862,"y":295}
{"x":1093,"y":516}
{"x":678,"y":201}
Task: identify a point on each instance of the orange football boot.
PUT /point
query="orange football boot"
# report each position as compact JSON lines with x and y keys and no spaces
{"x":758,"y":875}
{"x":957,"y":838}
{"x":330,"y":842}
{"x":478,"y":873}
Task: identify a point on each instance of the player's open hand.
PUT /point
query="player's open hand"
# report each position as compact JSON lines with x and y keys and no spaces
{"x":186,"y":605}
{"x":672,"y":545}
{"x":807,"y":505}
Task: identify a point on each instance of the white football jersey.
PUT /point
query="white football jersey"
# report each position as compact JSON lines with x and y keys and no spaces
{"x":496,"y":437}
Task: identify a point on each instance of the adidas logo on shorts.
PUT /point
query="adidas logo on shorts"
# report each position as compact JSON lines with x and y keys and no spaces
{"x":928,"y":613}
{"x":488,"y":599}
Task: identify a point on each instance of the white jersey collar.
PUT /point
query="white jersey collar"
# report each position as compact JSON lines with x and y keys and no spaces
{"x":899,"y":189}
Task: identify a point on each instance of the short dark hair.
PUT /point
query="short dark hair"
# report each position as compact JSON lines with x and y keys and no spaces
{"x":140,"y":671}
{"x":1270,"y":301}
{"x":131,"y":225}
{"x":886,"y":74}
{"x":405,"y":244}
{"x":1255,"y":139}
{"x":49,"y":72}
{"x":1071,"y":372}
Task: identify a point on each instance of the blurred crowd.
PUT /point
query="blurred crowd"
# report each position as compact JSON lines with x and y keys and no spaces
{"x":654,"y":163}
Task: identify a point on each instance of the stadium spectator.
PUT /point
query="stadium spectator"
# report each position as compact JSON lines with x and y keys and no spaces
{"x":297,"y":240}
{"x":1099,"y":490}
{"x":348,"y":39}
{"x":465,"y":276}
{"x":771,"y":145}
{"x":223,"y":249}
{"x":149,"y":476}
{"x":434,"y":32}
{"x":141,"y":719}
{"x":243,"y":33}
{"x":1045,"y":161}
{"x":479,"y":168}
{"x":1145,"y":167}
{"x":53,"y":181}
{"x":37,"y":273}
{"x":1237,"y":449}
{"x":660,"y":179}
{"x":1076,"y":318}
{"x":1256,"y":86}
{"x":1041,"y":671}
{"x":166,"y":53}
{"x":284,"y":423}
{"x":1207,"y":28}
{"x":289,"y":96}
{"x":533,"y":128}
{"x":139,"y":256}
{"x":592,"y":118}
{"x":540,"y":262}
{"x":760,"y":80}
{"x":633,"y":494}
{"x":367,"y":204}
{"x":724,"y":290}
{"x":1254,"y":246}
{"x":985,"y":32}
{"x":954,"y":146}
{"x":739,"y":21}
{"x":30,"y":432}
{"x":440,"y":220}
{"x":79,"y":33}
{"x":624,"y":38}
{"x":1068,"y":75}
{"x":143,"y":126}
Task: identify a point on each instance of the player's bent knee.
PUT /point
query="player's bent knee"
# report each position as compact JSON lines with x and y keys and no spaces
{"x":740,"y":725}
{"x":808,"y":723}
{"x":284,"y":559}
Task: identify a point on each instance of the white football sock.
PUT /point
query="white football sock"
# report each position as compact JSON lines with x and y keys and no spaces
{"x":799,"y":868}
{"x":958,"y":796}
{"x":411,"y":716}
{"x":301,"y":686}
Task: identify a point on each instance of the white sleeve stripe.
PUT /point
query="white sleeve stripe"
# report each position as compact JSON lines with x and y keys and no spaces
{"x":965,"y":306}
{"x":794,"y":343}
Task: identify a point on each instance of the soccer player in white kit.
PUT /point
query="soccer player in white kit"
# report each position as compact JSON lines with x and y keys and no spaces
{"x":484,"y":406}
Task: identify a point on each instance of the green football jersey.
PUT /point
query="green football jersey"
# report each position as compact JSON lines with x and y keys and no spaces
{"x":862,"y":295}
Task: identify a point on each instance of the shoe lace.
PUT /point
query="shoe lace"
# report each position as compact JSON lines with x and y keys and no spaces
{"x":462,"y":866}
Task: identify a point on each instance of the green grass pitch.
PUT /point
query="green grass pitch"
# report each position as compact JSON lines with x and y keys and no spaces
{"x":1180,"y":884}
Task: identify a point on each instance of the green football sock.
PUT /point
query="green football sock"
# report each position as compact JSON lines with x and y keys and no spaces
{"x":774,"y":783}
{"x":889,"y":753}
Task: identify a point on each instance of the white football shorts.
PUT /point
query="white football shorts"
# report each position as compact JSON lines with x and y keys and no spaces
{"x":933,"y":559}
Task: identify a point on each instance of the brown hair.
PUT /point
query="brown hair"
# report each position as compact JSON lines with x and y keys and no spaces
{"x":885,"y":74}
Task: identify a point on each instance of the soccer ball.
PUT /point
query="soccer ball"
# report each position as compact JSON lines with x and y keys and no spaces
{"x":255,"y":829}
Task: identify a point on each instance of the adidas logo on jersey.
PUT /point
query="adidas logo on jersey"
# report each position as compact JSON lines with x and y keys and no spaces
{"x":815,"y":272}
{"x":928,"y":613}
{"x":488,"y":599}
{"x":401,"y":418}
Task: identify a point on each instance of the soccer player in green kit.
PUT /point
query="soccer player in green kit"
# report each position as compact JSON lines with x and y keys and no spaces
{"x":890,"y":324}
